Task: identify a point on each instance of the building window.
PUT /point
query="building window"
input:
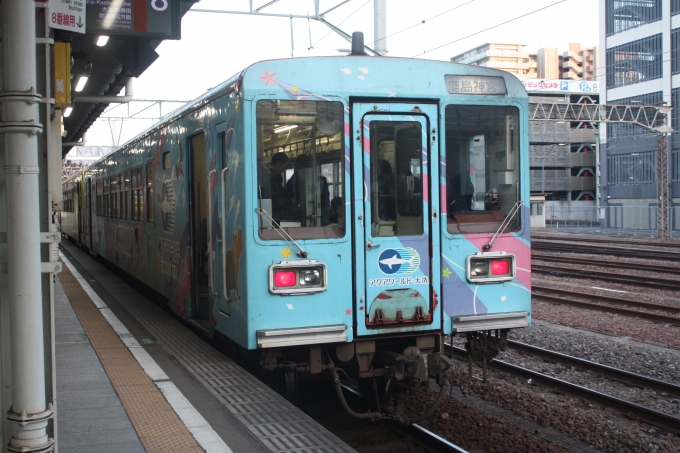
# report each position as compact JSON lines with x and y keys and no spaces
{"x":624,"y":130}
{"x":675,"y":51}
{"x":623,"y":15}
{"x":632,"y":168}
{"x":635,"y":62}
{"x":675,"y":7}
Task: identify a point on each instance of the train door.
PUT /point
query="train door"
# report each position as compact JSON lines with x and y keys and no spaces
{"x":88,"y":211}
{"x":199,"y":231}
{"x":396,"y":234}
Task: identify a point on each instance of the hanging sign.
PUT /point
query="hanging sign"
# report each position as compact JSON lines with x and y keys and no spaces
{"x":67,"y":15}
{"x":141,"y":18}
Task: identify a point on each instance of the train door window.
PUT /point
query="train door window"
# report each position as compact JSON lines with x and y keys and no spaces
{"x":300,"y":166}
{"x":125,"y":197}
{"x":166,"y":160}
{"x":105,"y":208}
{"x":396,"y":181}
{"x":149,"y":194}
{"x":482,"y":168}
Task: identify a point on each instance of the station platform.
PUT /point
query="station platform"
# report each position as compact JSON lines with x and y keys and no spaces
{"x":131,"y":378}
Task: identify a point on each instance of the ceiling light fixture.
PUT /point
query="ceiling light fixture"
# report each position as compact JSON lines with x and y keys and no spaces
{"x":81,"y":83}
{"x":68,"y":111}
{"x":285,"y":128}
{"x":102,"y":40}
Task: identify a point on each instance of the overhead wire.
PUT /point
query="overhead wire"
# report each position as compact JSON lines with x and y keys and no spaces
{"x":331,"y":31}
{"x":422,"y":21}
{"x":489,"y":28}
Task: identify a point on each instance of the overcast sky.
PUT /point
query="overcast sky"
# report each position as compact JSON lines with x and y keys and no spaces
{"x":215,"y":46}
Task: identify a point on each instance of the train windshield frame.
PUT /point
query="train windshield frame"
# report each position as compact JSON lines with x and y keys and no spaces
{"x":301,"y":168}
{"x":482,"y":167}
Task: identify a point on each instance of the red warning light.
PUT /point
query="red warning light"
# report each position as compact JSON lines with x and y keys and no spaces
{"x":284,"y":278}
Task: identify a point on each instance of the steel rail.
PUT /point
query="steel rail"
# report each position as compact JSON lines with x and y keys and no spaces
{"x":616,"y":374}
{"x":422,"y":436}
{"x":636,"y":252}
{"x":609,"y":299}
{"x":432,"y":441}
{"x":601,"y":240}
{"x":642,"y":413}
{"x":608,"y":308}
{"x":653,"y":282}
{"x":599,"y":262}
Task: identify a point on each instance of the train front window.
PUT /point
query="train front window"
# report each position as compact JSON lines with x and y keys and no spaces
{"x":482,"y":168}
{"x":300,"y":167}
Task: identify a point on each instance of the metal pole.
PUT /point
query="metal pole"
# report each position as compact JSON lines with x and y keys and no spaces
{"x":29,"y":413}
{"x":380,"y":26}
{"x":662,"y":192}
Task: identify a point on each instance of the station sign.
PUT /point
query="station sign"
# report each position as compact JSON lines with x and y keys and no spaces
{"x":561,"y":86}
{"x":67,"y":15}
{"x":141,"y":18}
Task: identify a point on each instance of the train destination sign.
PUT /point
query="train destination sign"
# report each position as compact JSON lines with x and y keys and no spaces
{"x":470,"y":84}
{"x":141,"y":18}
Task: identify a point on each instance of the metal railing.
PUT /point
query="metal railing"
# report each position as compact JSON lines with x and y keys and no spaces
{"x":631,"y":219}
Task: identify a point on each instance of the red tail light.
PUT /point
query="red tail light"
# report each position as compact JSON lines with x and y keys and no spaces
{"x":500,"y":267}
{"x":284,"y":278}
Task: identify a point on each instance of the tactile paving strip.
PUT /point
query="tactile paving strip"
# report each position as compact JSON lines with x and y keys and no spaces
{"x":158,"y":427}
{"x":279,"y":425}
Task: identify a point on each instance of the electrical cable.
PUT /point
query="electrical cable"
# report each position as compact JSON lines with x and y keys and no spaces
{"x":336,"y":26}
{"x":487,"y":29}
{"x":423,"y":21}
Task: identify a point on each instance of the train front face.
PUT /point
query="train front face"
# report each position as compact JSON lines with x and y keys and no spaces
{"x":352,"y":160}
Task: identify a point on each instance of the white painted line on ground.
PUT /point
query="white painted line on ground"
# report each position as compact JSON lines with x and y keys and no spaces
{"x":206,"y":437}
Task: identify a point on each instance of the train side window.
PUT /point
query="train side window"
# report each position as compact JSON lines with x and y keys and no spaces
{"x":125,"y":197}
{"x":149,"y":194}
{"x":482,"y":168}
{"x":98,"y":188}
{"x":300,"y":168}
{"x":166,"y":160}
{"x":115,"y":196}
{"x":107,"y":206}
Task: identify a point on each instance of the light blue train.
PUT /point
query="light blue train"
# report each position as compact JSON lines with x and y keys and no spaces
{"x":332,"y":215}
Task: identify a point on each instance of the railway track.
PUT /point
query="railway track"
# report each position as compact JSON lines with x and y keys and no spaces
{"x":642,"y":413}
{"x":637,"y":280}
{"x":414,"y":433}
{"x":567,"y":297}
{"x":576,"y":260}
{"x":609,"y":239}
{"x":633,"y":250}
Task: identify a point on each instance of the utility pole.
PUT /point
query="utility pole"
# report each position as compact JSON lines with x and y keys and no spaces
{"x":662,"y":210}
{"x":380,"y":26}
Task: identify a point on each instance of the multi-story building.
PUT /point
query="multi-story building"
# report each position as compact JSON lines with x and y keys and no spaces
{"x":577,"y":63}
{"x":508,"y":57}
{"x":641,"y":39}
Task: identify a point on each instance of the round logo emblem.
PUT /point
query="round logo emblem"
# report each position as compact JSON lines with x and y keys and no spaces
{"x":399,"y":261}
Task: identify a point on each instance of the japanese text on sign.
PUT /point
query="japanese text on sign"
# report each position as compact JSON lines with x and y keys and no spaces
{"x":484,"y":85}
{"x":399,"y":281}
{"x":68,"y":15}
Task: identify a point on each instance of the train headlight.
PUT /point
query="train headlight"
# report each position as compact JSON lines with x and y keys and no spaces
{"x":490,"y":267}
{"x":297,"y":277}
{"x":310,"y":277}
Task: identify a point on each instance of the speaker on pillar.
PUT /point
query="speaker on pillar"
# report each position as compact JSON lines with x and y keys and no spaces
{"x":135,"y":54}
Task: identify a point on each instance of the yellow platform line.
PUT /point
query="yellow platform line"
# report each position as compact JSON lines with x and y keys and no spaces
{"x":157,"y":425}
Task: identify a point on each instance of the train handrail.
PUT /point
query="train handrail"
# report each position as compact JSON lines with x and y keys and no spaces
{"x":224,"y":230}
{"x":211,"y":254}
